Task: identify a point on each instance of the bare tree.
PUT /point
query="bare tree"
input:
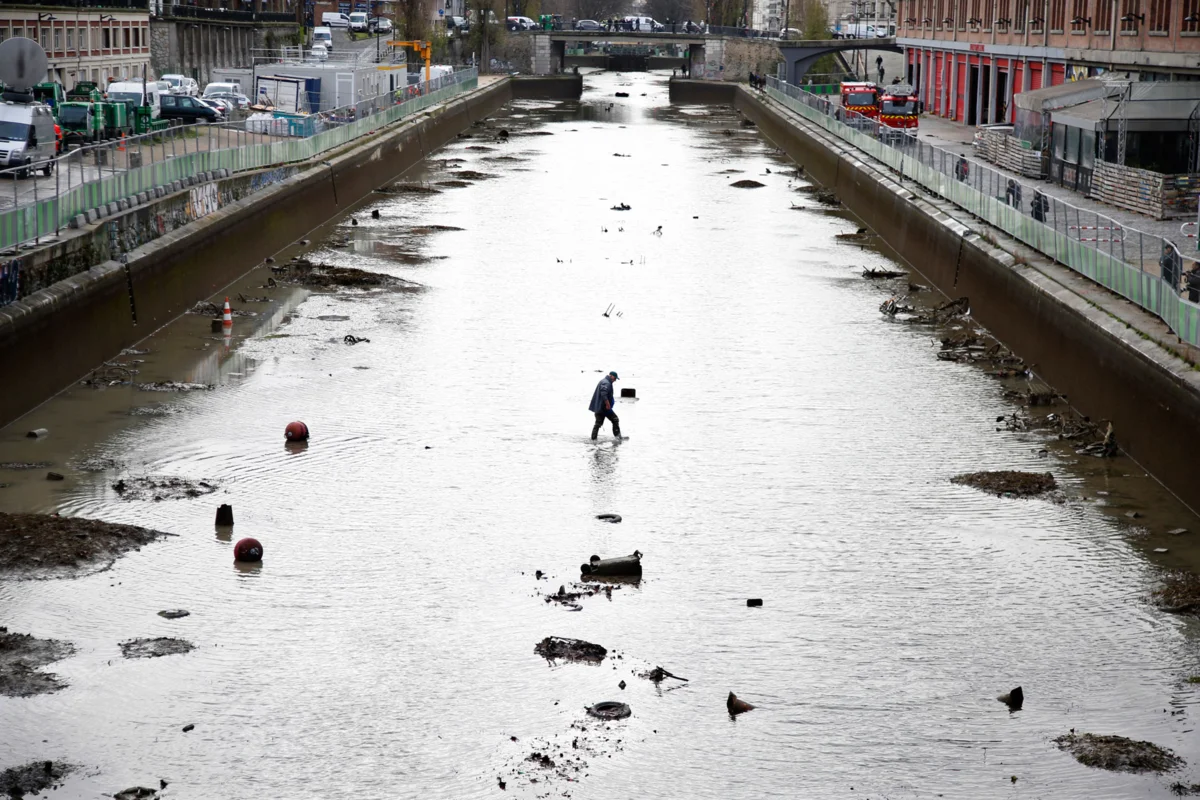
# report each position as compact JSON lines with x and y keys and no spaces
{"x":485,"y":33}
{"x":599,"y":9}
{"x":674,"y":10}
{"x":413,"y":19}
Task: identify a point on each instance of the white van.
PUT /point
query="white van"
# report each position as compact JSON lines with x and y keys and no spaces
{"x":323,"y":36}
{"x":26,"y":136}
{"x":358,"y":22}
{"x":334,"y":19}
{"x":131,"y":93}
{"x":182,"y":84}
{"x":643,"y":23}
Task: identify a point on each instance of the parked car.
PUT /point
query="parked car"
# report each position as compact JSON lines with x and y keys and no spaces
{"x":188,"y":109}
{"x":27,"y":136}
{"x":221,"y":87}
{"x":318,"y":52}
{"x":789,"y":33}
{"x":323,"y":36}
{"x":332,"y":19}
{"x":217,"y":105}
{"x":358,"y":22}
{"x":379,"y":25}
{"x":132,"y":92}
{"x":238,"y":99}
{"x":520,"y":24}
{"x":457,"y":26}
{"x":588,"y":25}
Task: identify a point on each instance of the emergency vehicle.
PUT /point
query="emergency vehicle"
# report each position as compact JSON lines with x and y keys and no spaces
{"x":898,"y":106}
{"x":861,"y":96}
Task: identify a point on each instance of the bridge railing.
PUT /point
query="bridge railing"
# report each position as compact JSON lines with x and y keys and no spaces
{"x":1146,"y":269}
{"x":100,"y":175}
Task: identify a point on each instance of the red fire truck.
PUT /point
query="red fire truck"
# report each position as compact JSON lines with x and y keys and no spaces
{"x":861,"y":96}
{"x":898,"y":106}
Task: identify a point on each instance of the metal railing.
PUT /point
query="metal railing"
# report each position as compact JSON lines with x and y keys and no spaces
{"x":98,"y":175}
{"x":221,"y":14}
{"x":1146,"y":269}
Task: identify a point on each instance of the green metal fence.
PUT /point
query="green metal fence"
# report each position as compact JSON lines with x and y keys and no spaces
{"x":44,"y":216}
{"x":1146,"y":269}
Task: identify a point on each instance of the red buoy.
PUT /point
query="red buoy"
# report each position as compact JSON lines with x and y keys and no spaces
{"x":296,"y":432}
{"x":248,"y":550}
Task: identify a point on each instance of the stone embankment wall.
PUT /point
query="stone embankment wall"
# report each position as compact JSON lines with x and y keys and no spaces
{"x":194,"y":47}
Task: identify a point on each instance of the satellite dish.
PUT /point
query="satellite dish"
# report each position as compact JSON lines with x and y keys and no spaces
{"x":22,"y":64}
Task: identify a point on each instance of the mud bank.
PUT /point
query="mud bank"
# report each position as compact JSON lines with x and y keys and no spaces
{"x":118,"y":304}
{"x":48,"y":546}
{"x":1108,"y":369}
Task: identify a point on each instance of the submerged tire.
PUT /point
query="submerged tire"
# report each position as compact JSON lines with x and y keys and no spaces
{"x":609,"y":709}
{"x":609,"y":517}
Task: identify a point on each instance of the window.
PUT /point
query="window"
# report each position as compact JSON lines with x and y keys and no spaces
{"x":1058,"y":12}
{"x":1079,"y":12}
{"x":18,"y":33}
{"x":1191,"y":16}
{"x":1160,"y":16}
{"x":961,"y":16}
{"x":939,"y":14}
{"x":70,"y":38}
{"x":989,"y":14}
{"x":106,"y":37}
{"x":83,"y":39}
{"x":1102,"y":22}
{"x":137,"y":34}
{"x":167,"y":101}
{"x":58,"y":38}
{"x":45,"y":38}
{"x":974,"y":13}
{"x":1019,"y":16}
{"x":125,"y":37}
{"x":1129,"y":11}
{"x":3,"y":34}
{"x":1003,"y":18}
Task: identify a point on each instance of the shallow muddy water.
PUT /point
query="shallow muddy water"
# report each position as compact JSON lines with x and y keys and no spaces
{"x":788,"y":443}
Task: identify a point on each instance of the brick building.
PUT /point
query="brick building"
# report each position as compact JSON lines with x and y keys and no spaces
{"x":969,"y":57}
{"x":92,"y":44}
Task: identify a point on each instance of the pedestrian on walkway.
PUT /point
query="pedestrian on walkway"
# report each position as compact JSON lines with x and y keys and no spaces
{"x":1168,"y":265}
{"x":602,"y":405}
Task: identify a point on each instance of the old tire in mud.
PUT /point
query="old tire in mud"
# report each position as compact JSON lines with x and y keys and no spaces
{"x":609,"y":709}
{"x":609,"y":517}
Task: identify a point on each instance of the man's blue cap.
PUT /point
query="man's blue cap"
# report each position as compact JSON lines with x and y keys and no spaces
{"x":615,"y":376}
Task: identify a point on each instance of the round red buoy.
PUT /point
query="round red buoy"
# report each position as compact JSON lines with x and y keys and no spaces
{"x":296,"y":432}
{"x":248,"y":550}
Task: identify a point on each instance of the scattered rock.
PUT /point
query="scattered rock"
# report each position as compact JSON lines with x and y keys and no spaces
{"x":747,"y":183}
{"x":737,"y":706}
{"x":542,"y":760}
{"x":658,"y":675}
{"x":1014,"y":699}
{"x":32,"y":778}
{"x":21,"y":656}
{"x":174,"y":613}
{"x":869,"y":272}
{"x":1008,"y":482}
{"x":55,"y":476}
{"x":754,"y":602}
{"x":155,"y":648}
{"x":61,"y":546}
{"x":1118,"y":753}
{"x":162,"y":488}
{"x":174,"y":386}
{"x":559,"y":648}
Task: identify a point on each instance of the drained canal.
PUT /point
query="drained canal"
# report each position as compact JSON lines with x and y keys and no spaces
{"x":788,"y":442}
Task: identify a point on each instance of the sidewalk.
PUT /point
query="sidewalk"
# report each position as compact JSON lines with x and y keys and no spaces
{"x":957,"y":138}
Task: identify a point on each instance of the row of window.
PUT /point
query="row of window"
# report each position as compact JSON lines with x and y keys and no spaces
{"x":1082,"y":16}
{"x":105,"y":38}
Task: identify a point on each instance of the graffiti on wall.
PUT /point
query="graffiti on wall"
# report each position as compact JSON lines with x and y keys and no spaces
{"x":126,"y":233}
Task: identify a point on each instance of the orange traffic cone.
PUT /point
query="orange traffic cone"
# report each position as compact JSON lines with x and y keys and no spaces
{"x":121,"y":146}
{"x":227,"y":318}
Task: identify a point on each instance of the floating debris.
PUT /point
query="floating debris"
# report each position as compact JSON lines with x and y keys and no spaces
{"x":609,"y":709}
{"x":569,"y":595}
{"x":559,"y":648}
{"x":174,"y":386}
{"x":174,"y":613}
{"x":747,"y":183}
{"x":22,"y":656}
{"x":162,"y":488}
{"x":1117,"y":753}
{"x":658,"y":675}
{"x":1178,"y":593}
{"x":1008,"y":482}
{"x":869,"y":272}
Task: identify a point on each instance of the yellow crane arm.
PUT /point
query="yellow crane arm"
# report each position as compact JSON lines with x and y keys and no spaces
{"x":423,"y":50}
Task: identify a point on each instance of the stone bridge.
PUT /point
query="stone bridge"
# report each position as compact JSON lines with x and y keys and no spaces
{"x":705,"y":54}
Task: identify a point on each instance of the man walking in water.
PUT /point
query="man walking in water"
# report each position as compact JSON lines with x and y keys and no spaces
{"x":602,"y":405}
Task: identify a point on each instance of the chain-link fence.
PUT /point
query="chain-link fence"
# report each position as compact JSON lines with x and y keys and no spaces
{"x":95,"y":176}
{"x":1144,"y":268}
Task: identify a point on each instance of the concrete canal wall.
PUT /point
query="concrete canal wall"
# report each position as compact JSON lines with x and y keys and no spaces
{"x":1107,"y":369}
{"x":189,"y":244}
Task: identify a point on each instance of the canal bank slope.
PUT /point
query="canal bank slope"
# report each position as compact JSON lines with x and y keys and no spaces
{"x":1112,"y":359}
{"x":175,"y":257}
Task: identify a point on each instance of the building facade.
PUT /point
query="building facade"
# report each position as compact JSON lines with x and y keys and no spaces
{"x":968,"y":58}
{"x":83,"y":43}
